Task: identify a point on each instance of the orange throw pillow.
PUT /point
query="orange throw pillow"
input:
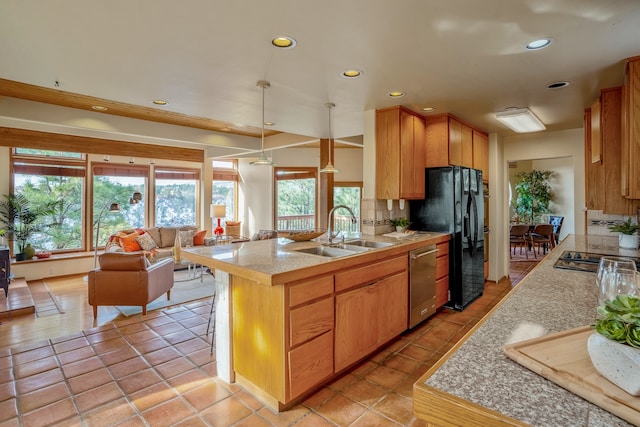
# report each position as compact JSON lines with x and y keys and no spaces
{"x":198,"y":238}
{"x":129,"y":242}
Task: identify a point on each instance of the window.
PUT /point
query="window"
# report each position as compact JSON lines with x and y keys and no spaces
{"x":114,"y":183}
{"x":296,"y":190}
{"x":225,"y":186}
{"x":44,"y":176}
{"x":349,"y":194}
{"x":176,"y":196}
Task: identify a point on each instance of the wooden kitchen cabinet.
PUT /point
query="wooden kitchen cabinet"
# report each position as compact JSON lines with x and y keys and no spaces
{"x":291,"y":350}
{"x":630,"y":167}
{"x":378,"y":293}
{"x":481,"y":153}
{"x":383,"y":304}
{"x":442,"y":274}
{"x":450,"y":141}
{"x":400,"y":154}
{"x":604,"y":178}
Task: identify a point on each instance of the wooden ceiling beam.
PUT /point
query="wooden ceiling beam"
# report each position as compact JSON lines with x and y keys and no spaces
{"x":61,"y":98}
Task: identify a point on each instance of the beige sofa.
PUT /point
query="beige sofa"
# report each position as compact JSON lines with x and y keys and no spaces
{"x":129,"y":279}
{"x":163,"y":241}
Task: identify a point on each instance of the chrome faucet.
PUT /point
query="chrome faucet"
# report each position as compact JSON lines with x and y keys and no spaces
{"x":330,"y":235}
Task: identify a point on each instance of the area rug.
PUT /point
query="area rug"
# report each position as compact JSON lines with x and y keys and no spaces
{"x":185,"y":289}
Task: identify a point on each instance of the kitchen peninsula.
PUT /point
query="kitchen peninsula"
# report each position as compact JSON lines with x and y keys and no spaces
{"x":289,"y":321}
{"x":476,"y":384}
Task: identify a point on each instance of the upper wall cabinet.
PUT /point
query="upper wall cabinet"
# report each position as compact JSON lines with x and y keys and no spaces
{"x":631,"y":130}
{"x":605,"y":177}
{"x":481,"y":153}
{"x":400,"y":154}
{"x":452,"y":142}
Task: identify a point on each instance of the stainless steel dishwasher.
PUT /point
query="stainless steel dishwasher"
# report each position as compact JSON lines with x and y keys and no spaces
{"x":422,"y":284}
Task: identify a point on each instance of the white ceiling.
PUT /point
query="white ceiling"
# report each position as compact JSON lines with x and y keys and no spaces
{"x":465,"y":57}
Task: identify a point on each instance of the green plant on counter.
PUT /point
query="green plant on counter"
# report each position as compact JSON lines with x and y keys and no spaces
{"x":626,"y":227}
{"x":400,"y":222}
{"x":620,"y":320}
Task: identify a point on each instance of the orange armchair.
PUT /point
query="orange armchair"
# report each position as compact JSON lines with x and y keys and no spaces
{"x":125,"y":279}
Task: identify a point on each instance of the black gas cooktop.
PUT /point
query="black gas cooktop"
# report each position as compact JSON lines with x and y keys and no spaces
{"x":582,"y":261}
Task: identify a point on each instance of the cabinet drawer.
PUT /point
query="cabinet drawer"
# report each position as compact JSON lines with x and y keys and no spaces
{"x":443,"y":249}
{"x":309,"y":321}
{"x":370,"y":273}
{"x":310,"y":290}
{"x":442,"y":267}
{"x":310,"y":363}
{"x":442,"y":291}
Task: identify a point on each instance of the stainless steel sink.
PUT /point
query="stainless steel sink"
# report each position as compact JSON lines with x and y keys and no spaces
{"x":326,"y":251}
{"x":367,"y":243}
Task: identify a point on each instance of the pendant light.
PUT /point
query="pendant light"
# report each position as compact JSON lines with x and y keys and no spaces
{"x":262,"y":159}
{"x":329,"y":168}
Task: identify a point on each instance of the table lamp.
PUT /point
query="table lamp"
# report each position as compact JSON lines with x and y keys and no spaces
{"x":218,"y":211}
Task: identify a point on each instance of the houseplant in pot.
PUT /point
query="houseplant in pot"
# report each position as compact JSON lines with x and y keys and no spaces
{"x":533,"y":195}
{"x":615,"y":347}
{"x":628,"y":238}
{"x":400,"y":224}
{"x":22,"y":221}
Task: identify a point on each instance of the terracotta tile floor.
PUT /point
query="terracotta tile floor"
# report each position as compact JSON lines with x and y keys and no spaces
{"x":157,"y":370}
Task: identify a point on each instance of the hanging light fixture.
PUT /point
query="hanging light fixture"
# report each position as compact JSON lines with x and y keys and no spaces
{"x":329,"y":168}
{"x":262,"y":159}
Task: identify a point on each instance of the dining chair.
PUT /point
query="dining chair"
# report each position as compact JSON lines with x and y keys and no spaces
{"x":518,"y":237}
{"x":542,"y":237}
{"x":556,"y":221}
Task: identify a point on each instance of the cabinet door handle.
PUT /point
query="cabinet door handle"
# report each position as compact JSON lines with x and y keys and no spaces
{"x":420,"y":255}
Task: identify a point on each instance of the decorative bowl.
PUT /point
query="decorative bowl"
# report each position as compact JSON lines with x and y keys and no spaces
{"x":43,"y":255}
{"x":301,"y":235}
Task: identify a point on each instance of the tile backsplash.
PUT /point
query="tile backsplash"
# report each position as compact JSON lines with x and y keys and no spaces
{"x":376,"y":217}
{"x":598,"y":222}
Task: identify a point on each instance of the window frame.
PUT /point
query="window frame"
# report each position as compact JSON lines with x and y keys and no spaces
{"x":39,"y":164}
{"x":301,"y":172}
{"x":227,"y":174}
{"x":178,"y":173}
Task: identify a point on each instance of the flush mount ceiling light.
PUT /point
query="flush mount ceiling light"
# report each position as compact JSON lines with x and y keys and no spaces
{"x":520,"y":120}
{"x":329,"y":168}
{"x":538,"y":44}
{"x":262,"y":159}
{"x":351,"y":74}
{"x":160,"y":102}
{"x":284,"y":42}
{"x":396,"y":94}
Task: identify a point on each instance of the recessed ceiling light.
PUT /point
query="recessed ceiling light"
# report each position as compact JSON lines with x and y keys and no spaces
{"x":351,"y":74}
{"x":99,"y":108}
{"x":160,"y":102}
{"x":428,"y":109}
{"x":396,"y":94}
{"x":284,"y":42}
{"x":538,"y":44}
{"x":269,"y":123}
{"x":557,"y":85}
{"x":225,"y":129}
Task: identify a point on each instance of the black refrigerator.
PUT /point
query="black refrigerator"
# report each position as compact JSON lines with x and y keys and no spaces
{"x":454,"y":203}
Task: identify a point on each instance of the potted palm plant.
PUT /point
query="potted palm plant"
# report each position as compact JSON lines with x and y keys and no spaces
{"x":628,"y":238}
{"x":22,"y":221}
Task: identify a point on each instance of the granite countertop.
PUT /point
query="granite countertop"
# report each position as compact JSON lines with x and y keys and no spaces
{"x":547,"y":300}
{"x":271,"y":261}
